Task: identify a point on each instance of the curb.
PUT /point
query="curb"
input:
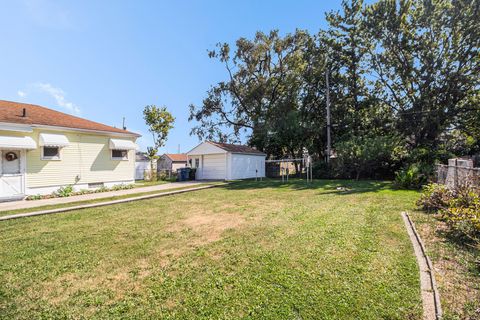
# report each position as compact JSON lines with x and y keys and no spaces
{"x":101,"y":204}
{"x":432,"y":308}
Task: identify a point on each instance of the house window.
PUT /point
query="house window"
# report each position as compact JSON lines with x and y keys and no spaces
{"x":190,"y":162}
{"x":197,"y":163}
{"x":95,"y":185}
{"x":51,"y":153}
{"x":119,"y":154}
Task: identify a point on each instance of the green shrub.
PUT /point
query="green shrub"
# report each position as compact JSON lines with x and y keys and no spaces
{"x":35,"y":197}
{"x":102,"y":189}
{"x":367,"y":156}
{"x":413,"y":177}
{"x":320,"y":170}
{"x":463,"y":213}
{"x":163,"y":175}
{"x":465,"y":196}
{"x":435,"y":197}
{"x":121,"y":186}
{"x":83,"y":191}
{"x":66,"y":191}
{"x":464,"y":220}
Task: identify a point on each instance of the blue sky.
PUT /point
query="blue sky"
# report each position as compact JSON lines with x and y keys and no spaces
{"x":104,"y":60}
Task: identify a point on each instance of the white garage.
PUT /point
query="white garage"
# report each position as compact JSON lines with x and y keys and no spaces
{"x":223,"y":161}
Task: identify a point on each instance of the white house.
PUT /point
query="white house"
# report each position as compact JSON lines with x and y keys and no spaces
{"x":42,"y":150}
{"x":223,"y":161}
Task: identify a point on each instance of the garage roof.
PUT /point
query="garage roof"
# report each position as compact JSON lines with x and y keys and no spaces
{"x":235,"y":148}
{"x":177,"y":157}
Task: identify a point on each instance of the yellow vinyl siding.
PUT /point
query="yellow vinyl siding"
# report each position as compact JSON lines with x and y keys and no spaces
{"x":88,"y":156}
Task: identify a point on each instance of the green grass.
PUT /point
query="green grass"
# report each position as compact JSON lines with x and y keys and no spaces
{"x":143,"y":183}
{"x":261,"y":250}
{"x":77,"y":203}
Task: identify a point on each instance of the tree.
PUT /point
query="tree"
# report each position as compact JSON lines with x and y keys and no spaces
{"x":369,"y":156}
{"x":348,"y":47}
{"x":275,"y":93}
{"x":426,"y":59}
{"x":397,"y":68}
{"x":159,"y":122}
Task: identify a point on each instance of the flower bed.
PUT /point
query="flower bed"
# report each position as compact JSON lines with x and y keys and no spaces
{"x":68,"y":191}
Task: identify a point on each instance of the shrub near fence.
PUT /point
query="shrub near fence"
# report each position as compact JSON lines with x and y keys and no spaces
{"x":161,"y":174}
{"x":456,"y":198}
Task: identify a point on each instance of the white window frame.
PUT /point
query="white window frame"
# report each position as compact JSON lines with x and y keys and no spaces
{"x":118,"y":158}
{"x":54,"y":158}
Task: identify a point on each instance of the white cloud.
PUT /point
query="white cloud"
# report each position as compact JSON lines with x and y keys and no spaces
{"x":59,"y":96}
{"x":21,"y":94}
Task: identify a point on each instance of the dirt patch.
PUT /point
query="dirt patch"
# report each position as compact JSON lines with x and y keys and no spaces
{"x":119,"y":281}
{"x":208,"y":227}
{"x":456,"y":284}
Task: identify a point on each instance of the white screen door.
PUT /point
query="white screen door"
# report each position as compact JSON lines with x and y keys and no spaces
{"x":11,"y":175}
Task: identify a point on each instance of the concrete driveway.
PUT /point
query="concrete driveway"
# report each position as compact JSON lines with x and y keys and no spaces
{"x":23,"y":204}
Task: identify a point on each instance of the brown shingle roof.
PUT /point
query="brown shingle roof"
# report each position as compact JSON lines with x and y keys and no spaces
{"x":177,"y":157}
{"x":11,"y":112}
{"x":235,"y":148}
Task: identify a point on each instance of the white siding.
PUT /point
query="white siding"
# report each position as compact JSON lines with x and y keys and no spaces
{"x":213,"y":167}
{"x":244,"y":166}
{"x":205,"y":148}
{"x":86,"y":160}
{"x":178,"y":165}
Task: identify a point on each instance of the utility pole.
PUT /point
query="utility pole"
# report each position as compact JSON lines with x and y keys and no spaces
{"x":329,"y":138}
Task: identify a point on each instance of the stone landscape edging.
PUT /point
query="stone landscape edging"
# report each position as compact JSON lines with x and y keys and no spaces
{"x":432,"y":308}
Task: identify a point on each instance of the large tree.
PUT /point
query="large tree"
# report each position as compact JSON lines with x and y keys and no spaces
{"x":405,"y":69}
{"x":348,"y":48}
{"x":426,"y":60}
{"x":262,"y":94}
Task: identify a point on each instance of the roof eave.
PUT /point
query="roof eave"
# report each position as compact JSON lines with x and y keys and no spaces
{"x":252,"y":153}
{"x":103,"y":132}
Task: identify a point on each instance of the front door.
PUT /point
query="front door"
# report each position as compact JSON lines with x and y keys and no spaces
{"x":11,"y":174}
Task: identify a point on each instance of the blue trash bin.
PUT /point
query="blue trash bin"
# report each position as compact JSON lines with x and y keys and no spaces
{"x":183,"y":174}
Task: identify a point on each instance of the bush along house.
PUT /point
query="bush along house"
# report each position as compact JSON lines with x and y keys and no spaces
{"x":42,"y":150}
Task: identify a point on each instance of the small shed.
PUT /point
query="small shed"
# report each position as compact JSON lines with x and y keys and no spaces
{"x":172,"y":161}
{"x":223,"y":161}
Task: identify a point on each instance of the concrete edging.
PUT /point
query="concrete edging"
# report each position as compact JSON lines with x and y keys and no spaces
{"x":432,"y":308}
{"x":101,"y":204}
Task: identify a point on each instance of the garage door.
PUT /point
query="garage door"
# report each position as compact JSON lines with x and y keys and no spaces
{"x":214,"y":167}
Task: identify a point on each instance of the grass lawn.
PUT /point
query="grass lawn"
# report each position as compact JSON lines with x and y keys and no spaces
{"x":83,"y":202}
{"x":143,"y":183}
{"x":262,"y":250}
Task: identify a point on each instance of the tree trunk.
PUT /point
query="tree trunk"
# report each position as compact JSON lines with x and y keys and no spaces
{"x":153,"y":171}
